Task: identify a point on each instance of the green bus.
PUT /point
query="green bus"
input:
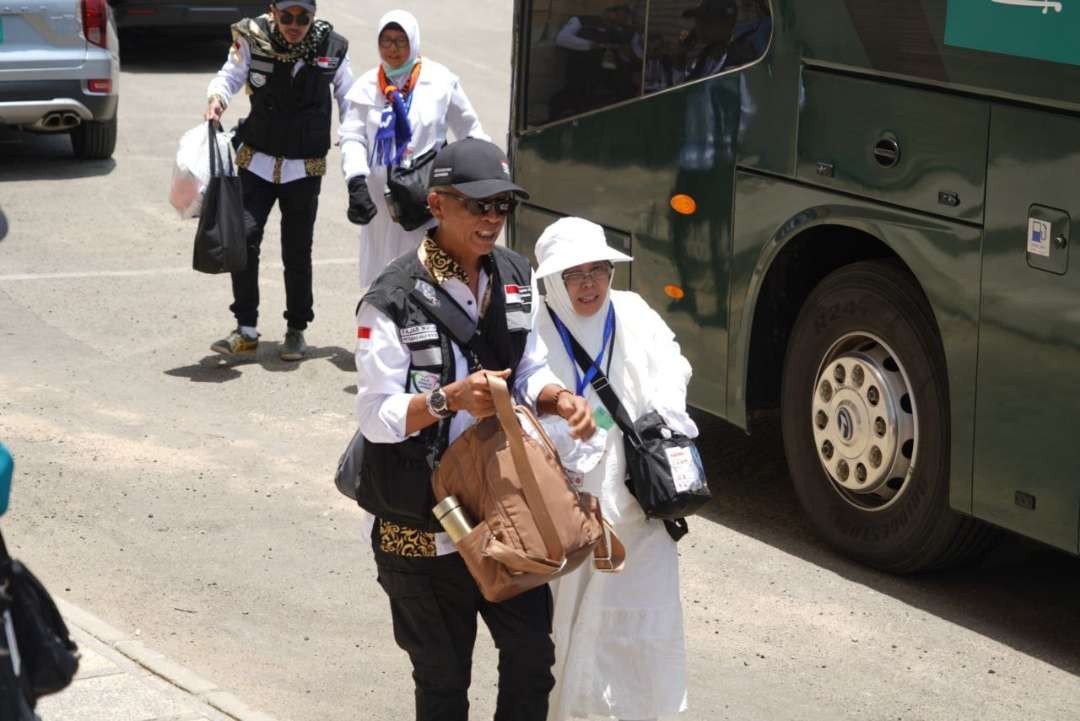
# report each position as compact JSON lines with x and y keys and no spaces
{"x":856,"y":212}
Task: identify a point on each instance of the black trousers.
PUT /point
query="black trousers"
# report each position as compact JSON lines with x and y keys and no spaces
{"x":434,"y":603}
{"x":298,"y":202}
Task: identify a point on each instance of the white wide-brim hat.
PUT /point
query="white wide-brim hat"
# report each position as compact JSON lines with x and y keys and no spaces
{"x":573,"y":241}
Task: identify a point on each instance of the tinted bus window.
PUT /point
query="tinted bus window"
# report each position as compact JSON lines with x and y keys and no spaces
{"x":693,"y":39}
{"x":582,"y":56}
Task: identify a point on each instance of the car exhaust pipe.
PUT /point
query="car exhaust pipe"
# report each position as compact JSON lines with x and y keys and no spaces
{"x":52,"y":121}
{"x":70,"y":120}
{"x":58,"y":121}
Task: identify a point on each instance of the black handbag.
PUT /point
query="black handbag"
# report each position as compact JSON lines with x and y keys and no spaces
{"x":220,"y":240}
{"x":48,"y":657}
{"x":664,"y":469}
{"x":407,"y":187}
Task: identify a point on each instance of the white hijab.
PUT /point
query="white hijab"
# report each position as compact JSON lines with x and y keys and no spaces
{"x":411,"y":28}
{"x":564,"y":244}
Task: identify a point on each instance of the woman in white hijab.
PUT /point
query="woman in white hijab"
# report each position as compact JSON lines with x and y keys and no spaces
{"x":619,"y":640}
{"x":398,"y":110}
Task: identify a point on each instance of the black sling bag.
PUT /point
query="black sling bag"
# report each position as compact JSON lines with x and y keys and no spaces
{"x":664,"y":470}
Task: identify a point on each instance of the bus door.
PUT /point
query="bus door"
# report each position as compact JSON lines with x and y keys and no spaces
{"x":1027,"y":450}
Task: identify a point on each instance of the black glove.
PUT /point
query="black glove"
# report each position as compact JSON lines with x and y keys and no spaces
{"x":361,"y":206}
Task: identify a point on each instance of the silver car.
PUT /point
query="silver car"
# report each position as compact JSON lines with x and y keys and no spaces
{"x":60,"y":70}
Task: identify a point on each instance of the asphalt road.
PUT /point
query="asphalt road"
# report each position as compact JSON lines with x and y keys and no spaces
{"x":191,"y":503}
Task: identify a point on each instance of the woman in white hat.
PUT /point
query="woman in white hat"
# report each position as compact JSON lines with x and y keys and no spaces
{"x":619,"y":641}
{"x":396,"y":112}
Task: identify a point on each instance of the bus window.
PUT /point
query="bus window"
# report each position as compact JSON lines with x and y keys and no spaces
{"x":693,"y":39}
{"x":582,"y":56}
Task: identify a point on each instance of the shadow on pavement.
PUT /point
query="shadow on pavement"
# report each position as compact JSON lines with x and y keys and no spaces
{"x":220,"y":369}
{"x":174,"y":51}
{"x":32,"y":156}
{"x":1022,"y":594}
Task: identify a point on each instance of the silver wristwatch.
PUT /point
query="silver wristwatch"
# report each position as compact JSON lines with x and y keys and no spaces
{"x":437,"y":404}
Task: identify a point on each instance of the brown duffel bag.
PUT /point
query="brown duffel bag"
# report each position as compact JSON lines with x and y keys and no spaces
{"x":531,"y":526}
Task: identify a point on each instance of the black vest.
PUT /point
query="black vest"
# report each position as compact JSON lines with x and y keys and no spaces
{"x":290,"y":116}
{"x":395,"y":478}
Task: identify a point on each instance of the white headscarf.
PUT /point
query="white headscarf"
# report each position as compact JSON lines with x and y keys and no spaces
{"x":566,"y":243}
{"x":411,"y":29}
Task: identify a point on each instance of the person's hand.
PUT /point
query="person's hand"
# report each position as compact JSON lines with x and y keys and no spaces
{"x":214,"y":110}
{"x":361,"y":206}
{"x":577,"y":413}
{"x":472,"y":394}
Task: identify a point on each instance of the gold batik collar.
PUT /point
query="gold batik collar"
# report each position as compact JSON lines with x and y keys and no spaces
{"x":440,"y":266}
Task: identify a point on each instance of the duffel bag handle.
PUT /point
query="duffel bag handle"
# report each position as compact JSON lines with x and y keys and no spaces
{"x":504,"y":410}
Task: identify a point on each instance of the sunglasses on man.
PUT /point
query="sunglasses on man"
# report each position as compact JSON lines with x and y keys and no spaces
{"x":287,"y":18}
{"x":502,"y":206}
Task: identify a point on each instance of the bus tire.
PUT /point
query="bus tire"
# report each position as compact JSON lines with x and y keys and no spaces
{"x":865,"y":418}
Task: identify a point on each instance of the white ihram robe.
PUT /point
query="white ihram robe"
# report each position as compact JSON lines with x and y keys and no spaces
{"x":438,"y":105}
{"x":619,"y":642}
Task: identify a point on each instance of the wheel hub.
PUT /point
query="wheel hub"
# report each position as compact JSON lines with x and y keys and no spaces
{"x":864,"y":421}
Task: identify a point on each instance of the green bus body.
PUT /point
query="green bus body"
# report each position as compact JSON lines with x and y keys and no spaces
{"x":982,"y":100}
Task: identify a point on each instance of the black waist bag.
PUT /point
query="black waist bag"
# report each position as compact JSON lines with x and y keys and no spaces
{"x":407,"y":188}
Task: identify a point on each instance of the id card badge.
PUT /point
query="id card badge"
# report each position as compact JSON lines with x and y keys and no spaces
{"x":603,"y":418}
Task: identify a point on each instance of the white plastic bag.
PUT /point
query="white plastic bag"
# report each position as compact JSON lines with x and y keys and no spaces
{"x":191,"y":172}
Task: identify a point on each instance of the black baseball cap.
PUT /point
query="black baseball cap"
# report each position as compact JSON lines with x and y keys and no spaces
{"x":476,"y":168}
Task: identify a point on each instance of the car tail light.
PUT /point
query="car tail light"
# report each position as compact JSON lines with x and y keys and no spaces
{"x":100,"y":86}
{"x":95,"y":18}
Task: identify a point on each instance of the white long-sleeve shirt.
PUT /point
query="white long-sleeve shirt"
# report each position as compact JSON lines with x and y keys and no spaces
{"x":233,"y":76}
{"x":384,"y":389}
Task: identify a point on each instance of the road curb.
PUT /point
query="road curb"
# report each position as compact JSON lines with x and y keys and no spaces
{"x":205,"y":691}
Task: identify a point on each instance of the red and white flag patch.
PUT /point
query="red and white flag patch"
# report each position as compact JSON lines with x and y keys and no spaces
{"x":513,"y":293}
{"x":363,"y":335}
{"x":327,"y":63}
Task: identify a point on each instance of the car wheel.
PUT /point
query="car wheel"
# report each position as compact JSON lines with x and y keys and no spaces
{"x":92,"y":140}
{"x":865,"y":415}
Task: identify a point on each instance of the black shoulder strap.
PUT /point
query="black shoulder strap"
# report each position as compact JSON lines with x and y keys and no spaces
{"x":676,"y":528}
{"x":441,"y":308}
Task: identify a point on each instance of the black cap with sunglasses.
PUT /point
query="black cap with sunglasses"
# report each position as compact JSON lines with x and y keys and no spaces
{"x":475,"y":168}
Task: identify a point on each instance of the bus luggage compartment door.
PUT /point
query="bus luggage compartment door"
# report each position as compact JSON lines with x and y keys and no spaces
{"x":919,"y":149}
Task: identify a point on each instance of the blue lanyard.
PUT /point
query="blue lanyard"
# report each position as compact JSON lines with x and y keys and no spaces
{"x":609,"y":330}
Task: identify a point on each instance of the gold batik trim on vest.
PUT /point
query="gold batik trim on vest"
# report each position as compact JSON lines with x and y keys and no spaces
{"x":313,"y":167}
{"x":244,"y":156}
{"x":409,"y":542}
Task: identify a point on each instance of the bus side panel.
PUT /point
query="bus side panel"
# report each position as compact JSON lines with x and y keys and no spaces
{"x":620,"y":167}
{"x":942,"y":255}
{"x":1027,"y":466}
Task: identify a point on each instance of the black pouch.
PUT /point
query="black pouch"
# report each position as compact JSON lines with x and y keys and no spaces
{"x":407,"y":189}
{"x":49,"y":658}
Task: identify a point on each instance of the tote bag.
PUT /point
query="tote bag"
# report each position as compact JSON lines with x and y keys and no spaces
{"x":220,"y":240}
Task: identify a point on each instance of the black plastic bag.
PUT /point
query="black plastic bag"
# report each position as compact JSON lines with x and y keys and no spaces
{"x":220,"y":240}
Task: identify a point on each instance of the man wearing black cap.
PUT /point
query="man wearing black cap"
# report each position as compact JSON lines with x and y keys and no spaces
{"x":291,"y":64}
{"x":713,"y":36}
{"x":418,"y":390}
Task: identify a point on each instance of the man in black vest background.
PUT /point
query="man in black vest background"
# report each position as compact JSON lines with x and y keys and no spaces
{"x":293,"y":66}
{"x":418,"y":390}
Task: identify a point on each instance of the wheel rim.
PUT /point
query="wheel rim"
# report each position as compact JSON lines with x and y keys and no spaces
{"x":865,"y":422}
